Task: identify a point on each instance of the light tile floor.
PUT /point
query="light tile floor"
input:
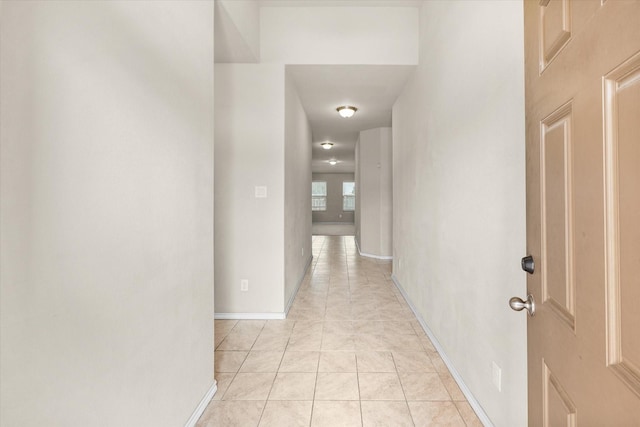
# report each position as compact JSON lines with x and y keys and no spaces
{"x":351,"y":353}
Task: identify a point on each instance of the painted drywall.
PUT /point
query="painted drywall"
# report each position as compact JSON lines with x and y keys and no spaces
{"x":459,"y":194}
{"x":374,"y":187}
{"x":237,"y":31}
{"x":297,"y":193}
{"x":334,"y":212}
{"x":339,"y":35}
{"x":249,"y":152}
{"x":106,"y":282}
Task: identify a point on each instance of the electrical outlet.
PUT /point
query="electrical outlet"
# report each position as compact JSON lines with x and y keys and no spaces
{"x":497,"y":376}
{"x":303,"y":251}
{"x":244,"y":285}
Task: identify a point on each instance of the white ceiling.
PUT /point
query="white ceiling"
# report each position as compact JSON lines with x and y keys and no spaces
{"x":373,"y":89}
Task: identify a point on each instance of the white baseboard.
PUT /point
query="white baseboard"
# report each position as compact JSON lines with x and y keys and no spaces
{"x":482,"y":415}
{"x":295,"y":292}
{"x":370,"y":255}
{"x":250,"y":316}
{"x":202,"y":405}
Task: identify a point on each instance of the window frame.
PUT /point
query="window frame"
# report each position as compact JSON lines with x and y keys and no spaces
{"x":346,"y":197}
{"x":314,"y":197}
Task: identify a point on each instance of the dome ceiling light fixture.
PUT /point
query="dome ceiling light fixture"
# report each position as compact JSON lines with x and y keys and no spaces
{"x":327,"y":145}
{"x":333,"y":162}
{"x":346,"y":111}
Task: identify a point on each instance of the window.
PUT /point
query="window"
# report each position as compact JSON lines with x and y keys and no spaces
{"x":318,"y":196}
{"x":348,"y":196}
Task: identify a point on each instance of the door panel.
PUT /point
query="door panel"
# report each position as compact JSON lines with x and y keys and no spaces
{"x":558,"y":408}
{"x":557,"y":235}
{"x":583,"y":211}
{"x":622,"y":183}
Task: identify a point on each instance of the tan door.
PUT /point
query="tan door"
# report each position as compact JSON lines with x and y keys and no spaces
{"x":583,"y":211}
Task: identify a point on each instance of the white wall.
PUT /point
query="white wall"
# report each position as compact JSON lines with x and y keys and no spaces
{"x":339,"y":35}
{"x":237,"y":25}
{"x":374,"y":192}
{"x":106,"y":212}
{"x":297,"y":191}
{"x":459,"y":194}
{"x":250,"y":134}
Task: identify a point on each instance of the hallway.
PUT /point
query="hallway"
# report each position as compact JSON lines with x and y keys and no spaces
{"x":351,"y":353}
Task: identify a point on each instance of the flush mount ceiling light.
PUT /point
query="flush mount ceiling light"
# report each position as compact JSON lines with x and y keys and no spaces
{"x":333,"y":162}
{"x":346,"y":111}
{"x":327,"y":145}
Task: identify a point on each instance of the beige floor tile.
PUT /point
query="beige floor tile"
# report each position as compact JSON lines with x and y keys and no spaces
{"x":286,"y":414}
{"x":229,"y":361}
{"x":308,"y":327}
{"x":380,"y":386}
{"x":238,"y":341}
{"x":217,"y":340}
{"x":423,"y":386}
{"x":262,"y":361}
{"x":340,"y":327}
{"x":305,"y":314}
{"x":337,"y":361}
{"x":364,"y":314}
{"x":413,"y":361}
{"x":300,"y":361}
{"x":397,"y":314}
{"x":272,"y":342}
{"x":293,"y":386}
{"x":222,"y":381}
{"x":375,"y":361}
{"x":452,"y":387}
{"x":304,"y":342}
{"x":403,"y":342}
{"x":249,"y":387}
{"x":469,"y":417}
{"x":385,"y":414}
{"x":337,"y":386}
{"x":334,"y":357}
{"x":336,"y":414}
{"x":417,"y":327}
{"x":232,"y":414}
{"x":223,"y":327}
{"x":337,"y":314}
{"x":430,"y":414}
{"x":400,"y":328}
{"x":278,"y":326}
{"x":367,"y":342}
{"x":249,"y":326}
{"x":335,"y":342}
{"x":438,"y":363}
{"x":427,"y":345}
{"x":368,"y":327}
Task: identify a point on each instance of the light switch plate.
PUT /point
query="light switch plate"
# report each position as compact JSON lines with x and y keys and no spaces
{"x":261,"y":192}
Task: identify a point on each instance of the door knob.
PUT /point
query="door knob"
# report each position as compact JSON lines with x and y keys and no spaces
{"x":518,"y":304}
{"x":527,"y":264}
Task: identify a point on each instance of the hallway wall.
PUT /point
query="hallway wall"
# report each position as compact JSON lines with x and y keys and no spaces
{"x":106,"y":190}
{"x":297,"y":191}
{"x":249,"y":153}
{"x":262,"y":239}
{"x":374,"y":185}
{"x":459,"y":194}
